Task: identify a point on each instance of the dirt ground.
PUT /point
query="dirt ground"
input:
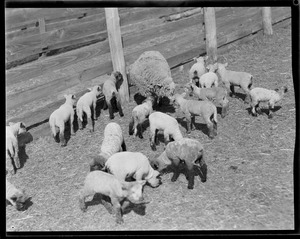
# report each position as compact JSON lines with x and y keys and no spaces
{"x":250,"y":164}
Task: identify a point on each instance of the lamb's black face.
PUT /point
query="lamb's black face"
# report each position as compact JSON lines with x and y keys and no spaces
{"x":20,"y":201}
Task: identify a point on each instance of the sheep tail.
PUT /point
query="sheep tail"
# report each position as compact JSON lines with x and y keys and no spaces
{"x":131,"y":124}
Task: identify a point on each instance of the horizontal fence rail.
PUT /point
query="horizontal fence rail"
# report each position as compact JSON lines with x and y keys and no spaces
{"x":34,"y":90}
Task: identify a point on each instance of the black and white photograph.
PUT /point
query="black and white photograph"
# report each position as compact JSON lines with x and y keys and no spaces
{"x":167,"y":117}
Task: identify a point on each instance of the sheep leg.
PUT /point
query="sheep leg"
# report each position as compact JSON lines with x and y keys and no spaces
{"x":120,"y":107}
{"x":105,"y":106}
{"x":107,"y":205}
{"x":232,"y":93}
{"x":271,"y":107}
{"x":110,"y":109}
{"x":176,"y":173}
{"x":71,"y":125}
{"x":123,"y":145}
{"x":9,"y":166}
{"x":193,"y":127}
{"x":139,"y":131}
{"x":166,"y":138}
{"x":90,"y":122}
{"x":189,"y":122}
{"x":117,"y":209}
{"x":79,"y":123}
{"x":211,"y":133}
{"x":83,"y":194}
{"x":61,"y":135}
{"x":191,"y":178}
{"x":153,"y":136}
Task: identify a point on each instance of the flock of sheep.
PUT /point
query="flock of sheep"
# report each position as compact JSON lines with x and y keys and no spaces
{"x":111,"y":170}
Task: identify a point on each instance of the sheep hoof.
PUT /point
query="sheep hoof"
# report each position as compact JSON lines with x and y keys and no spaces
{"x":141,"y":136}
{"x":119,"y":220}
{"x":111,"y":117}
{"x":63,"y":145}
{"x":73,"y":133}
{"x":190,"y":187}
{"x":121,"y":114}
{"x":188,"y":132}
{"x":270,"y":116}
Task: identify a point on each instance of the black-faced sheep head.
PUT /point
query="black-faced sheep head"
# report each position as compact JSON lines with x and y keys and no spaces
{"x":119,"y":78}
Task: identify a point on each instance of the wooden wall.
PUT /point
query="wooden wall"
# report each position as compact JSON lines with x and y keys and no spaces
{"x":35,"y":89}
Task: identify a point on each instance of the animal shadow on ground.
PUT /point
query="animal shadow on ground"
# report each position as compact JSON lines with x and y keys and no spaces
{"x":97,"y":199}
{"x":28,"y":203}
{"x":264,"y":110}
{"x":23,"y":139}
{"x":198,"y":126}
{"x":238,"y":95}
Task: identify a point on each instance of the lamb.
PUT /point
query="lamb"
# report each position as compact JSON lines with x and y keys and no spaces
{"x":198,"y":69}
{"x":169,"y":125}
{"x":84,"y":105}
{"x":60,"y":116}
{"x":132,"y":164}
{"x":207,"y":80}
{"x":12,"y":145}
{"x":187,"y":152}
{"x":191,"y":108}
{"x":235,"y":78}
{"x":107,"y":185}
{"x":215,"y":93}
{"x":113,"y":142}
{"x":111,"y":91}
{"x":264,"y":95}
{"x":15,"y":196}
{"x":139,"y":114}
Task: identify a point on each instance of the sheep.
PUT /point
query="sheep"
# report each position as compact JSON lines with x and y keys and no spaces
{"x":262,"y":95}
{"x":151,"y":74}
{"x":198,"y":69}
{"x":111,"y":91}
{"x":113,"y":142}
{"x":235,"y":78}
{"x":84,"y":105}
{"x":12,"y":145}
{"x":210,"y":78}
{"x":187,"y":152}
{"x":217,"y":93}
{"x":169,"y":125}
{"x":15,"y":196}
{"x":132,"y":164}
{"x":107,"y":185}
{"x":60,"y":116}
{"x":139,"y":114}
{"x":191,"y":108}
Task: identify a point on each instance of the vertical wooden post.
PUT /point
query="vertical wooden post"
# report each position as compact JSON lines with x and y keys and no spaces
{"x":210,"y":33}
{"x":267,"y":20}
{"x":116,"y":49}
{"x":42,"y":25}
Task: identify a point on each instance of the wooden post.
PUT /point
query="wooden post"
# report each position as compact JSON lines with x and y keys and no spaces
{"x":210,"y":33}
{"x":267,"y":20}
{"x":116,"y":49}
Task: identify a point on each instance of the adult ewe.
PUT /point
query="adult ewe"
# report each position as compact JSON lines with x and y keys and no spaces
{"x":259,"y":94}
{"x":12,"y":146}
{"x":152,"y":75}
{"x":111,"y":92}
{"x":186,"y":152}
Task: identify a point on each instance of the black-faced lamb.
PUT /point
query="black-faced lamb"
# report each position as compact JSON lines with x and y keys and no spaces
{"x":186,"y":152}
{"x":132,"y":165}
{"x":12,"y":145}
{"x":107,"y":185}
{"x":139,"y":114}
{"x":152,"y":75}
{"x":192,"y":108}
{"x":166,"y":123}
{"x":113,"y":142}
{"x":198,"y":69}
{"x":62,"y":115}
{"x":15,"y":196}
{"x":259,"y":94}
{"x":111,"y":91}
{"x":218,"y":94}
{"x":235,"y":78}
{"x":84,"y":105}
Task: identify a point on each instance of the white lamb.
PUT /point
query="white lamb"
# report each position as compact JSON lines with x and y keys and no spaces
{"x":15,"y":196}
{"x":166,"y":123}
{"x":107,"y":185}
{"x":208,"y":79}
{"x":191,"y":108}
{"x":113,"y":142}
{"x":84,"y":105}
{"x":218,"y":94}
{"x":235,"y":78}
{"x":264,"y":95}
{"x":135,"y":165}
{"x":60,"y":116}
{"x":111,"y":91}
{"x":139,"y":114}
{"x":12,"y":145}
{"x":198,"y":69}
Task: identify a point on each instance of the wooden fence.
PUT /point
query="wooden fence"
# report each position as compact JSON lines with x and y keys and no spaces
{"x":35,"y":33}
